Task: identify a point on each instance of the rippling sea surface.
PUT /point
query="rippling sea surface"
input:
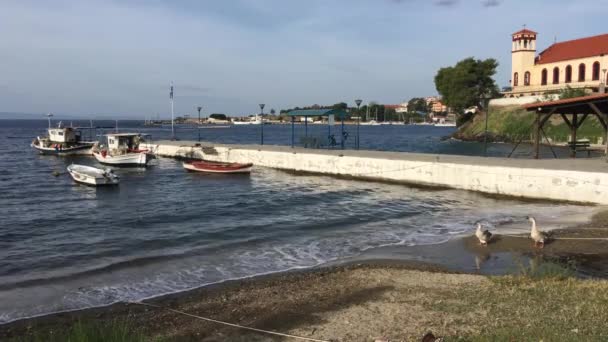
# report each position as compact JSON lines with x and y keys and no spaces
{"x":162,"y":230}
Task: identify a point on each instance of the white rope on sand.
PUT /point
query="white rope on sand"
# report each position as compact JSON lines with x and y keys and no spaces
{"x":553,"y":238}
{"x":229,"y":324}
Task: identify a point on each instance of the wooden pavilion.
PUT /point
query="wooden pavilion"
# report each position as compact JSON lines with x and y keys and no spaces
{"x":574,"y":111}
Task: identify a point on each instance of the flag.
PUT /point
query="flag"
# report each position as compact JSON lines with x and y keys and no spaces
{"x":171,"y":92}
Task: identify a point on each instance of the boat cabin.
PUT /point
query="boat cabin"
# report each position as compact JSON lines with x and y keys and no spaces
{"x":125,"y":142}
{"x":64,"y":135}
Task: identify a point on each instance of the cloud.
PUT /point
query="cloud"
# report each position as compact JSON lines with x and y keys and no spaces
{"x":446,"y":3}
{"x":490,"y":3}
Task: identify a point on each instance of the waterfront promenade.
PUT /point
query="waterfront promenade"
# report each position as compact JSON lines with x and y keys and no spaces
{"x":573,"y":180}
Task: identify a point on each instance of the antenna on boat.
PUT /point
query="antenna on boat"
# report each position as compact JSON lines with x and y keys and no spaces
{"x":49,"y":115}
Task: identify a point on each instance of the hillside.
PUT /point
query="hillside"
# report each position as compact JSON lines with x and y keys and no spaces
{"x":512,"y":123}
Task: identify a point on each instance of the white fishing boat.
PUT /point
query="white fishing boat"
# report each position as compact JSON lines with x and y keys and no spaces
{"x":445,"y":124}
{"x":63,"y":141}
{"x":370,"y":123}
{"x":92,"y":176}
{"x":122,"y":149}
{"x":255,"y":120}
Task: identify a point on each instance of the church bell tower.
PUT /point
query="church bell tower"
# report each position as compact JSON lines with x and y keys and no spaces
{"x":523,"y":52}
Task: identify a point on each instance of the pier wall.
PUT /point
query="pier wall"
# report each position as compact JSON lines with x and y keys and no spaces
{"x":548,"y":179}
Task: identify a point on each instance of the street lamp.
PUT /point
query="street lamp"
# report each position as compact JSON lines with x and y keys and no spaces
{"x":199,"y":108}
{"x":358,"y":102}
{"x":486,"y":103}
{"x":262,"y":122}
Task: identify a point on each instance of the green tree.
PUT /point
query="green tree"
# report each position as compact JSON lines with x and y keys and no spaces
{"x":463,"y":85}
{"x":340,"y":105}
{"x":417,"y":104}
{"x":218,"y":116}
{"x":569,"y":92}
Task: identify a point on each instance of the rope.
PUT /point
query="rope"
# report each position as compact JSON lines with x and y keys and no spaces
{"x":229,"y":324}
{"x":554,"y":238}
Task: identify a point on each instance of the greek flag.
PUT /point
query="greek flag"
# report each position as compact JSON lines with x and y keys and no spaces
{"x":171,"y":92}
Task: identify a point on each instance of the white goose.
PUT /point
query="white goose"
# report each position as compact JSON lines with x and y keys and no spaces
{"x":483,"y":236}
{"x":538,"y":236}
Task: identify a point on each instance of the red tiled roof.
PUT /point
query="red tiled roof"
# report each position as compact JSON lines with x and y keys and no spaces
{"x":387,"y":106}
{"x":574,"y":49}
{"x":524,"y":31}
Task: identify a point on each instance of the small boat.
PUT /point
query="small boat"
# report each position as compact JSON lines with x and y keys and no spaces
{"x":123,"y":150}
{"x":217,"y":167}
{"x":62,"y":141}
{"x":92,"y":176}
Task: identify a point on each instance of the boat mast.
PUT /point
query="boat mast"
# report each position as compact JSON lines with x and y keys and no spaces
{"x":172,"y":125}
{"x":49,"y":115}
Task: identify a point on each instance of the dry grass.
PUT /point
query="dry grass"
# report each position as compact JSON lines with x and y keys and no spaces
{"x":544,"y":305}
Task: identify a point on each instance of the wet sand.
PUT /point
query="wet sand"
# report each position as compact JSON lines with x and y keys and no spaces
{"x":381,"y":293}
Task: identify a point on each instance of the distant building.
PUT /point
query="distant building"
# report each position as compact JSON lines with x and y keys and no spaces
{"x":402,"y":108}
{"x":392,"y":106}
{"x":430,"y":99}
{"x":438,"y":107}
{"x":579,"y":63}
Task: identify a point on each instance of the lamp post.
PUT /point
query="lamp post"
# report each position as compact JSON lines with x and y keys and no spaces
{"x":358,"y":102}
{"x":486,"y":103}
{"x":262,"y":123}
{"x":199,"y":108}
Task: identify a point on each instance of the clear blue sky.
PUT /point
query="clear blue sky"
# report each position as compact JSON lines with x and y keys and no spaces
{"x":103,"y":58}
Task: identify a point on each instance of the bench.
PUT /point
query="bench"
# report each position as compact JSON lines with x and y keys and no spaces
{"x":580,"y":145}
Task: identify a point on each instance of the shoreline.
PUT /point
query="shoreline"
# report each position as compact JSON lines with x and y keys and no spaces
{"x":459,"y":257}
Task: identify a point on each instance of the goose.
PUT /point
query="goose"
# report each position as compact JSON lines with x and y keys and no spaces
{"x":483,"y":236}
{"x":538,"y":236}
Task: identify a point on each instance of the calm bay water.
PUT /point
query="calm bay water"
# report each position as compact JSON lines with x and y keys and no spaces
{"x":65,"y":246}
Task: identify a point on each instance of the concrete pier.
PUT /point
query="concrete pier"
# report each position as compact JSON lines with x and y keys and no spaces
{"x":575,"y":180}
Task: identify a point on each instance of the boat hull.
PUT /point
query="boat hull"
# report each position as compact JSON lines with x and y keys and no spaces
{"x":64,"y":151}
{"x":129,"y":159}
{"x":92,"y":176}
{"x":213,"y":167}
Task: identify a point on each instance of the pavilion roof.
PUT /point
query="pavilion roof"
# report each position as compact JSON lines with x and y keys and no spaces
{"x":575,"y":105}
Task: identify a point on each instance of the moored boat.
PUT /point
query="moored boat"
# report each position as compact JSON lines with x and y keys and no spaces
{"x":62,"y":141}
{"x":92,"y":176}
{"x":217,"y":167}
{"x":122,"y":149}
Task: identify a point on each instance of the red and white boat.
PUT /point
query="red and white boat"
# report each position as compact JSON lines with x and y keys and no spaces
{"x":217,"y":167}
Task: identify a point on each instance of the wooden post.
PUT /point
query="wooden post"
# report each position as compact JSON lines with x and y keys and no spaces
{"x":537,"y":137}
{"x":573,"y":130}
{"x":606,"y":136}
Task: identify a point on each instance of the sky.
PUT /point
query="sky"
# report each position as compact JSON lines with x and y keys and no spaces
{"x":116,"y":58}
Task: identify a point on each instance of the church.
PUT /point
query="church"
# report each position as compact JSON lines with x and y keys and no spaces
{"x":579,"y":63}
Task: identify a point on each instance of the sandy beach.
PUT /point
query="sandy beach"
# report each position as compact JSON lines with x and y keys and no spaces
{"x":393,"y":293}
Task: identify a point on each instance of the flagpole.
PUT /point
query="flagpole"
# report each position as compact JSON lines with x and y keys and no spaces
{"x":172,"y":126}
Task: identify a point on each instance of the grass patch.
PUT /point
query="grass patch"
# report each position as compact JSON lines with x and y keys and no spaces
{"x":542,"y":303}
{"x":116,"y":331}
{"x":512,"y":123}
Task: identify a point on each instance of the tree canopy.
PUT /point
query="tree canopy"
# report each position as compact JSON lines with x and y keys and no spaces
{"x":218,"y":116}
{"x":463,"y":85}
{"x":417,"y":104}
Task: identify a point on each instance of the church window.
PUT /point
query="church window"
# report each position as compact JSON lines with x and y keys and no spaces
{"x":556,"y":75}
{"x":568,"y":74}
{"x":595,"y":76}
{"x":581,"y":72}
